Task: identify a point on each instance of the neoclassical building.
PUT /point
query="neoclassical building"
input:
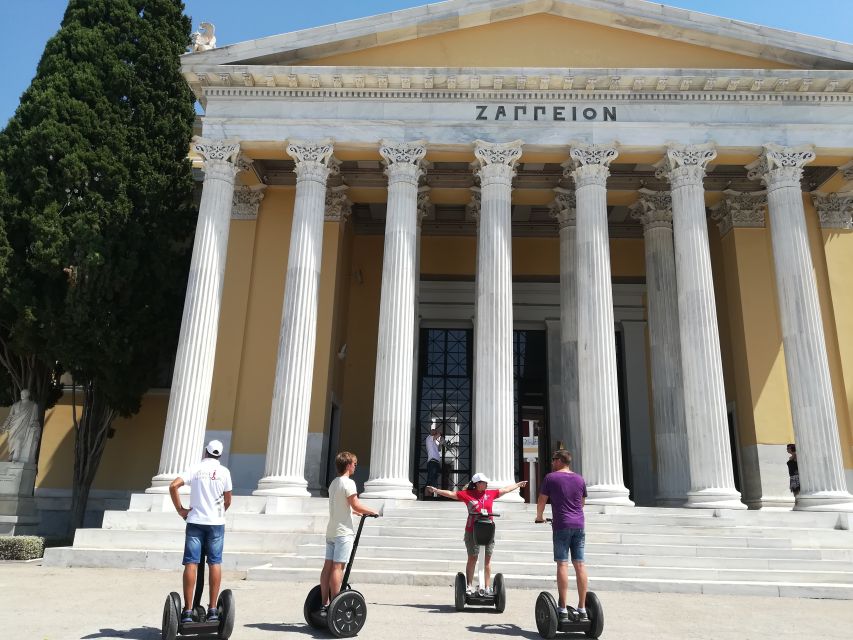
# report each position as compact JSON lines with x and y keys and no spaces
{"x":607,"y":224}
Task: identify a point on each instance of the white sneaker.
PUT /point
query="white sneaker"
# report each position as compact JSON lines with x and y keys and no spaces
{"x":490,"y":591}
{"x":469,"y":590}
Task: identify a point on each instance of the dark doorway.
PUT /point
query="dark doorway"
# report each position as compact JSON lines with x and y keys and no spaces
{"x":624,"y":428}
{"x":445,"y":370}
{"x":530,"y":386}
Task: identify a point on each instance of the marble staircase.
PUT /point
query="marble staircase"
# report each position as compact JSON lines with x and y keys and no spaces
{"x":767,"y":553}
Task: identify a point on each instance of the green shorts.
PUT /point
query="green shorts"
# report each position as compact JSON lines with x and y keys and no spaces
{"x":473,"y":548}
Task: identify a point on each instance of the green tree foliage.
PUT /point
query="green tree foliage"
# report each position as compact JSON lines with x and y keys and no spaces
{"x":101,"y":196}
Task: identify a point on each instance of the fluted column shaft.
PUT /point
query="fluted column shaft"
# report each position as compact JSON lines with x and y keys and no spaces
{"x":284,"y":474}
{"x":822,"y":482}
{"x":598,"y":392}
{"x":390,"y":446}
{"x":189,"y":398}
{"x":494,"y":444}
{"x":654,"y":210}
{"x":565,"y":207}
{"x":711,"y":476}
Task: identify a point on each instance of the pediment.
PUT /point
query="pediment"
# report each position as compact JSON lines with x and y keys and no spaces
{"x":539,"y":33}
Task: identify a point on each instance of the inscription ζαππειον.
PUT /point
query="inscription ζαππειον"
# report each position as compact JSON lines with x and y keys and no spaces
{"x":553,"y":113}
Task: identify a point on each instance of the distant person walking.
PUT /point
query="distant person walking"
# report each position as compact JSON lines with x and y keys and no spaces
{"x":567,"y":492}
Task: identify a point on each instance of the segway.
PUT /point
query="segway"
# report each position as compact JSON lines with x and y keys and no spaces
{"x":548,"y":622}
{"x":484,"y":534}
{"x":347,"y":611}
{"x":222,"y":628}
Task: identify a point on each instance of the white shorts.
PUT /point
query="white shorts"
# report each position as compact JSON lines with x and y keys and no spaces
{"x":339,"y":548}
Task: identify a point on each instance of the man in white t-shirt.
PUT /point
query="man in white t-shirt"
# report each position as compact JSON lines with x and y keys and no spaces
{"x":343,"y":500}
{"x":210,"y":497}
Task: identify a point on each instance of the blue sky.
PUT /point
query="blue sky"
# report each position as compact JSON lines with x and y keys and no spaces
{"x":26,"y":25}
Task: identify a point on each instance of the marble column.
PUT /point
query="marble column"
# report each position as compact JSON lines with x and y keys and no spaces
{"x":598,"y":386}
{"x":823,"y":486}
{"x":494,"y":442}
{"x":189,"y":397}
{"x":654,"y":211}
{"x":711,"y":476}
{"x":284,"y":473}
{"x":564,"y":208}
{"x":392,"y":399}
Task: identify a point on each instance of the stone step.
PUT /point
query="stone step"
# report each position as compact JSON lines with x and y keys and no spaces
{"x":458,"y":554}
{"x":148,"y":520}
{"x":544,"y":568}
{"x":235,"y":541}
{"x":142,"y":558}
{"x":517,"y":582}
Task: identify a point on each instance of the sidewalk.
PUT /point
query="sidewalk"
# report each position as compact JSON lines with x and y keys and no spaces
{"x":47,"y":603}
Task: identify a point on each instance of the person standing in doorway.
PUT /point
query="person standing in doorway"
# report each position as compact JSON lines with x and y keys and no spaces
{"x":210,"y":497}
{"x":567,"y":492}
{"x":433,"y":444}
{"x":340,"y":535}
{"x":793,"y":470}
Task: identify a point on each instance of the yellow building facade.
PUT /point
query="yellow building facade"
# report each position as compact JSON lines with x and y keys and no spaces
{"x":536,"y":223}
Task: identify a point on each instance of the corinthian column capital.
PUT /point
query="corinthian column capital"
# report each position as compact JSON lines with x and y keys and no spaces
{"x":589,"y":163}
{"x":338,"y":206}
{"x":472,"y":209}
{"x":739,"y":209}
{"x":495,"y":162}
{"x":426,"y":209}
{"x":835,"y":210}
{"x":245,"y":202}
{"x":219,"y":156}
{"x":847,"y":171}
{"x":653,"y":209}
{"x":564,"y":207}
{"x":780,"y":166}
{"x":685,"y":164}
{"x":314,"y":160}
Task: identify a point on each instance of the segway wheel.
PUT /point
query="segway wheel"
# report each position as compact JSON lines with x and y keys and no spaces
{"x":546,"y":615}
{"x":500,"y":592}
{"x":347,"y":614}
{"x":459,"y":592}
{"x":596,"y":615}
{"x":313,"y":603}
{"x":171,"y":615}
{"x":200,"y":613}
{"x":227,"y":613}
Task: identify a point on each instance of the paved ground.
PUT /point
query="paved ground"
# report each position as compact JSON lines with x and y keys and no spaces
{"x":47,"y":603}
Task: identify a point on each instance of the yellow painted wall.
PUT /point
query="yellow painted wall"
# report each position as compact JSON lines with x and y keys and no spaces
{"x":756,"y":379}
{"x":131,"y":456}
{"x":546,"y":41}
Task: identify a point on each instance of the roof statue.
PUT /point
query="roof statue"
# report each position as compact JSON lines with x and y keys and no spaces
{"x":203,"y":39}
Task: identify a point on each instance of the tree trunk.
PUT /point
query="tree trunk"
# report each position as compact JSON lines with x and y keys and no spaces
{"x":90,"y":439}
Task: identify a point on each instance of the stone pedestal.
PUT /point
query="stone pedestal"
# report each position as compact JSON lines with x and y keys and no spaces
{"x":18,"y":514}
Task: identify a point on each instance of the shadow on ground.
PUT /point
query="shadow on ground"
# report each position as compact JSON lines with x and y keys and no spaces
{"x":289,"y":627}
{"x":504,"y":630}
{"x":448,"y":608}
{"x":140,"y":633}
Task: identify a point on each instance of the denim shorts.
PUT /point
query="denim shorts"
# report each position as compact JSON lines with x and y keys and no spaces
{"x":339,"y":548}
{"x":209,"y":536}
{"x":566,"y":540}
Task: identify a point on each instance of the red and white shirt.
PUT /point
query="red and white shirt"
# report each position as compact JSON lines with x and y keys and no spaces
{"x":476,"y":502}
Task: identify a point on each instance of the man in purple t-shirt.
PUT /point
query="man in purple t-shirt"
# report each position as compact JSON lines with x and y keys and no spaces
{"x":567,"y":492}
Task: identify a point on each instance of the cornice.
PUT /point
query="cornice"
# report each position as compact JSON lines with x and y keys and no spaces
{"x":542,"y":84}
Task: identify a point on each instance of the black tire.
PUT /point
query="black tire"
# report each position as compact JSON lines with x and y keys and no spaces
{"x":500,"y":592}
{"x":227,"y":613}
{"x":347,"y":614}
{"x":546,"y":615}
{"x":171,"y":616}
{"x":313,"y":602}
{"x":596,"y":615}
{"x":459,"y":591}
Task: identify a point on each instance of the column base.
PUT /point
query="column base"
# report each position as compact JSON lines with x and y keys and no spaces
{"x":384,"y":489}
{"x":608,"y":494}
{"x":714,"y":499}
{"x":289,"y":486}
{"x":824,"y":501}
{"x":160,"y":483}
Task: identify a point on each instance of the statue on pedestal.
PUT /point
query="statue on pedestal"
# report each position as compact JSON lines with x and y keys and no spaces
{"x":22,"y":425}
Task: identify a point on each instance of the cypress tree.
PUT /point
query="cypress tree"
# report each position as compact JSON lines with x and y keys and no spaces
{"x":100,"y":187}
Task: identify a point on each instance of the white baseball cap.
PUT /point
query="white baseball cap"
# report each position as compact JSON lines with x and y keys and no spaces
{"x":214,"y":448}
{"x":479,"y":477}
